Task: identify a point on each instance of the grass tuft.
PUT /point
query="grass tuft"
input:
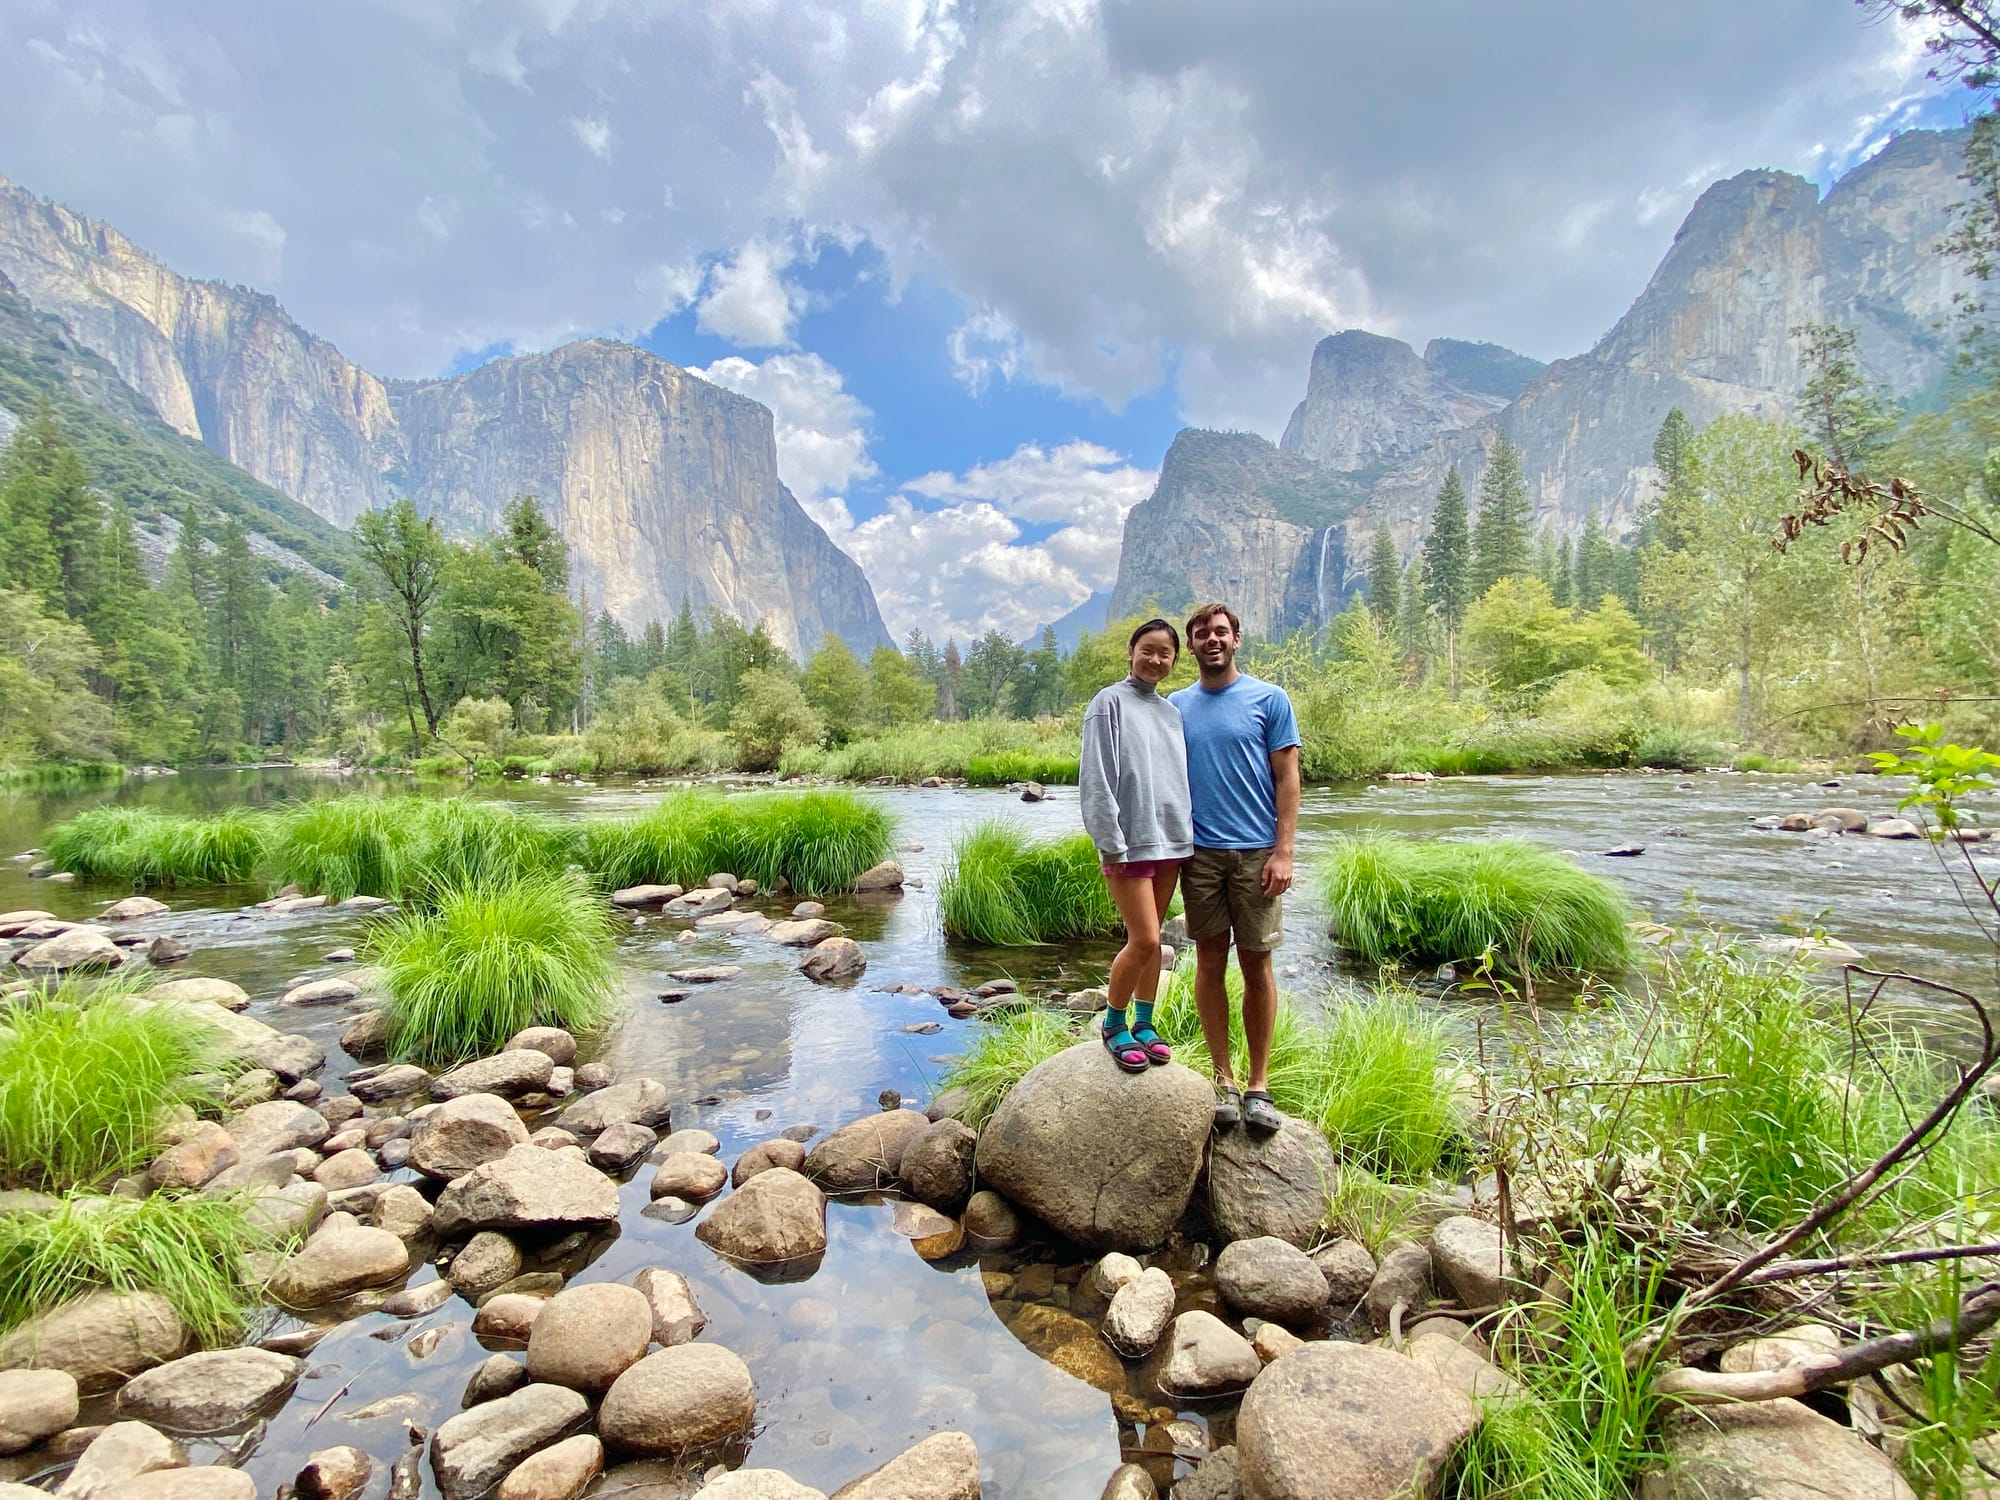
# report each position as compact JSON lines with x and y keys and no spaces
{"x":143,"y":848}
{"x":1426,"y":902}
{"x":818,"y":842}
{"x":85,"y":1079}
{"x":487,"y":960}
{"x":1007,"y":890}
{"x":346,"y":846}
{"x":1004,"y":768}
{"x":188,"y":1249}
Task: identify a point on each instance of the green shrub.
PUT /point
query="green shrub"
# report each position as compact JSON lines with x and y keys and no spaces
{"x":188,"y":1249}
{"x":1050,"y":767}
{"x":1006,"y":890}
{"x":1425,"y":902}
{"x":487,"y":960}
{"x":143,"y":848}
{"x":65,"y":774}
{"x":85,"y":1080}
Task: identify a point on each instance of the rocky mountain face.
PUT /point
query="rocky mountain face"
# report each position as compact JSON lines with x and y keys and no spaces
{"x":1759,"y":254}
{"x":664,"y":486}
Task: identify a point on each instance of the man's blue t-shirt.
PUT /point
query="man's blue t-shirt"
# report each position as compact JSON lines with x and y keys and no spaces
{"x":1231,"y":736}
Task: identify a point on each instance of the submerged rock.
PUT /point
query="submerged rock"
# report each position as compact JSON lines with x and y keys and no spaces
{"x":944,"y":1466}
{"x":677,"y":1319}
{"x":776,"y":1216}
{"x":637,"y":1101}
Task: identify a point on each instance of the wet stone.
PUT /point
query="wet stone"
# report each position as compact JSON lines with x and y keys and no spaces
{"x":210,"y":1391}
{"x":766,"y":1154}
{"x":588,"y":1336}
{"x":34,"y":1404}
{"x":1349,"y":1271}
{"x":678,"y":1399}
{"x":620,"y":1146}
{"x":473,"y":1451}
{"x":688,"y":1175}
{"x":488,"y":1262}
{"x":559,"y":1472}
{"x":122,"y":1451}
{"x":497,"y":1375}
{"x":508,"y":1074}
{"x":701,"y":1141}
{"x":334,"y":1474}
{"x":677,"y":1319}
{"x":337,"y":1263}
{"x":1207,"y":1357}
{"x":551,"y":1041}
{"x":1269,"y":1278}
{"x":1139,"y":1313}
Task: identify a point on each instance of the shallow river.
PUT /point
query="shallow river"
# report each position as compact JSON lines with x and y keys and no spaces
{"x":879,"y":1348}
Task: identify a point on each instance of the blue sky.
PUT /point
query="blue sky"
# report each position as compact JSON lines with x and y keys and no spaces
{"x":981,"y":261}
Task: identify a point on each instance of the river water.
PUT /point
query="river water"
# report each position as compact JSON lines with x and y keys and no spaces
{"x":879,"y":1348}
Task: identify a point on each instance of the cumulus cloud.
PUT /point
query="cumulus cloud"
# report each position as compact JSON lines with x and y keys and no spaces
{"x":594,"y":134}
{"x":748,"y":300}
{"x":822,"y":427}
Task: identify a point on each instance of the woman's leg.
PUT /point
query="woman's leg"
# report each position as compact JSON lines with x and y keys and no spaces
{"x":1146,"y":985}
{"x":1136,"y":969}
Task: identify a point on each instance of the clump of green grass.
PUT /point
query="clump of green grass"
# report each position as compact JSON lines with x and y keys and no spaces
{"x":947,"y":749}
{"x":188,"y":1249}
{"x":461,"y":843}
{"x":144,"y":848}
{"x":347,"y":846}
{"x":818,"y":842}
{"x":63,"y":774}
{"x":1007,"y":890}
{"x":1002,"y":1051}
{"x":1050,"y":767}
{"x":85,"y":1079}
{"x":1425,"y":902}
{"x":1670,"y":749}
{"x":486,"y":960}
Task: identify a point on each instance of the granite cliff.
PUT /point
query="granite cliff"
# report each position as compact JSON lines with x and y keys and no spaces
{"x":1758,"y":254}
{"x":664,"y":486}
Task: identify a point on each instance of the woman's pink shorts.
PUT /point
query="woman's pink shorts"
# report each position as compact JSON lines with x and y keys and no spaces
{"x":1141,"y":869}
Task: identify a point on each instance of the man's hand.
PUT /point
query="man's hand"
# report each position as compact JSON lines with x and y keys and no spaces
{"x":1277,"y":874}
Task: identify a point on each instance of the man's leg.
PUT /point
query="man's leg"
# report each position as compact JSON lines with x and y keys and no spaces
{"x":1211,"y":999}
{"x":1260,"y":1012}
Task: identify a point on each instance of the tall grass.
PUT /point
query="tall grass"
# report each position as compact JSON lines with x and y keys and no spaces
{"x":1050,"y":767}
{"x":462,"y":843}
{"x":1006,"y":890}
{"x":819,"y":842}
{"x":141,"y":847}
{"x":85,"y":1079}
{"x":62,"y":774}
{"x":487,"y":960}
{"x":1001,"y":1054}
{"x":1410,"y":901}
{"x":947,"y":750}
{"x":188,"y":1249}
{"x":346,"y":846}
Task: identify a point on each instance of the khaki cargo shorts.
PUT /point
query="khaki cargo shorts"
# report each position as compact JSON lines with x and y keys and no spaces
{"x":1223,"y":893}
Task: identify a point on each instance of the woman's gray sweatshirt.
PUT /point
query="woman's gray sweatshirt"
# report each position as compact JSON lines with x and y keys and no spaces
{"x":1133,"y":780}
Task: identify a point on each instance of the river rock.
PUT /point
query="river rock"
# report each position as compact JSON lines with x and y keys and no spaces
{"x":765,"y":1155}
{"x":1217,"y":1477}
{"x":590,"y":1335}
{"x":867,"y":1154}
{"x":464,"y":1133}
{"x":403,"y":1211}
{"x":804,"y":933}
{"x":210,"y":1391}
{"x":700,"y":1142}
{"x":200,"y":992}
{"x":474,"y":1450}
{"x":1779,"y":1350}
{"x":280,"y":1125}
{"x":637,"y":1101}
{"x":1470,"y":1254}
{"x":1105,"y":1157}
{"x":1845,"y":819}
{"x":634,"y":897}
{"x":368,"y":1034}
{"x":346,"y":1169}
{"x":990,"y":1221}
{"x":168,"y":949}
{"x":121,"y":1452}
{"x":758,"y":1484}
{"x":702,"y":902}
{"x":508,"y":1315}
{"x":34,"y":1404}
{"x":1404,"y":1275}
{"x":1339,"y":1421}
{"x":887,"y":876}
{"x":832,"y":960}
{"x":337,"y":1263}
{"x":15,"y":923}
{"x":677,"y":1319}
{"x":1114,"y":1271}
{"x":937,"y":1166}
{"x":560,"y":1472}
{"x":686,"y":1174}
{"x":1349,"y":1271}
{"x":527,"y":1188}
{"x":1130,"y":1482}
{"x":1272,"y":1279}
{"x":1461,"y":1367}
{"x":131,"y":907}
{"x":1207,"y":1357}
{"x":1139,"y":1313}
{"x":551,"y":1041}
{"x":1270,"y":1185}
{"x":100,"y":1338}
{"x":620,"y":1145}
{"x":778,"y":1215}
{"x":79,"y":948}
{"x":196,"y":1158}
{"x":488,"y":1262}
{"x":495,"y":1376}
{"x":1769,"y":1450}
{"x":944,"y":1466}
{"x":678,"y":1399}
{"x":1895,"y":828}
{"x":287,"y":1211}
{"x":508,"y":1074}
{"x":334,"y":1474}
{"x":321,"y":992}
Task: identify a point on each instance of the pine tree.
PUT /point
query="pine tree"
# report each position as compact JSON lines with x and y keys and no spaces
{"x":1500,"y":545}
{"x":1849,"y":419}
{"x":1671,"y":447}
{"x":951,"y":680}
{"x":1548,"y":558}
{"x":1447,"y":559}
{"x":1413,"y":620}
{"x":1385,"y":577}
{"x":239,"y":630}
{"x":1564,"y":587}
{"x":1595,"y":561}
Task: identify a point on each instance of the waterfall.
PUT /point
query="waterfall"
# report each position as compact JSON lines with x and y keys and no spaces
{"x":1319,"y":579}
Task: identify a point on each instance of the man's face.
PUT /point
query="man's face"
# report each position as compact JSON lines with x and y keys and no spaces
{"x":1215,"y":643}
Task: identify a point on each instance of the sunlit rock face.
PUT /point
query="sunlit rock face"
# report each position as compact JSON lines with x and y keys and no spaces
{"x":666,"y":487}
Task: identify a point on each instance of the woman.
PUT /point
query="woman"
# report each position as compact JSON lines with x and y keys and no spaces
{"x":1136,"y":809}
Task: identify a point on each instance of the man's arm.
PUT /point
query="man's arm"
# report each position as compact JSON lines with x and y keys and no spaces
{"x":1277,"y":877}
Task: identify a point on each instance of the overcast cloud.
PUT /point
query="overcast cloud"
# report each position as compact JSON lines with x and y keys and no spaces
{"x":1119,"y":193}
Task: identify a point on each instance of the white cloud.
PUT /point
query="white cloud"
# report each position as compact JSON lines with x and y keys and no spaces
{"x":265,"y":238}
{"x":594,"y":133}
{"x":748,"y":300}
{"x":822,"y":428}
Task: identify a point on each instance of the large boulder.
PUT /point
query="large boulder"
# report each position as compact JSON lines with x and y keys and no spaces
{"x":79,"y":948}
{"x":528,"y":1188}
{"x":637,"y":1101}
{"x":944,"y":1466}
{"x":1270,"y":1184}
{"x":589,"y":1335}
{"x":776,"y":1216}
{"x":211,"y":1391}
{"x":337,"y":1262}
{"x":867,"y":1154}
{"x":937,"y":1166}
{"x":475,"y":1450}
{"x":678,"y":1399}
{"x":1271,"y":1279}
{"x":1106,"y":1157}
{"x":1339,"y":1421}
{"x":34,"y":1404}
{"x":517,"y":1071}
{"x":1768,"y":1450}
{"x":464,"y":1133}
{"x":100,"y":1338}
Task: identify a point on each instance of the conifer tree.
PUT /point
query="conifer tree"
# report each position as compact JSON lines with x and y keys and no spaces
{"x":1595,"y":561}
{"x":1447,"y":557}
{"x":1500,"y":535}
{"x":1413,"y":620}
{"x":1564,"y":587}
{"x":1385,"y":577}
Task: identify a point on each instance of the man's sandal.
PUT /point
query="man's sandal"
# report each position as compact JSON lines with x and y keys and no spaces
{"x":1151,"y":1043}
{"x":1128,"y":1054}
{"x":1228,"y":1106}
{"x":1259,"y":1113}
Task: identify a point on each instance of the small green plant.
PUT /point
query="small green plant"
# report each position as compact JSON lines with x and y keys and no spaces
{"x":1003,"y":1049}
{"x":1361,"y":1206}
{"x":1006,"y":890}
{"x":484,"y":961}
{"x":86,"y":1079}
{"x":188,"y":1249}
{"x":1432,"y":901}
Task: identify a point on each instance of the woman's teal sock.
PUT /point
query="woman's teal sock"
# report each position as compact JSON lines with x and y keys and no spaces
{"x":1114,"y":1021}
{"x":1142,"y":1013}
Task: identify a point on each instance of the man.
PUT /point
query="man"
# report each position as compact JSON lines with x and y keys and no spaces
{"x":1243,"y":768}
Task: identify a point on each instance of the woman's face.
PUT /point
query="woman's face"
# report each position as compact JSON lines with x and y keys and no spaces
{"x":1153,"y":656}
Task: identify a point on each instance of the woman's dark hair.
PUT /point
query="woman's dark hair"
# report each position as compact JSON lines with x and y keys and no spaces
{"x":1156,"y":623}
